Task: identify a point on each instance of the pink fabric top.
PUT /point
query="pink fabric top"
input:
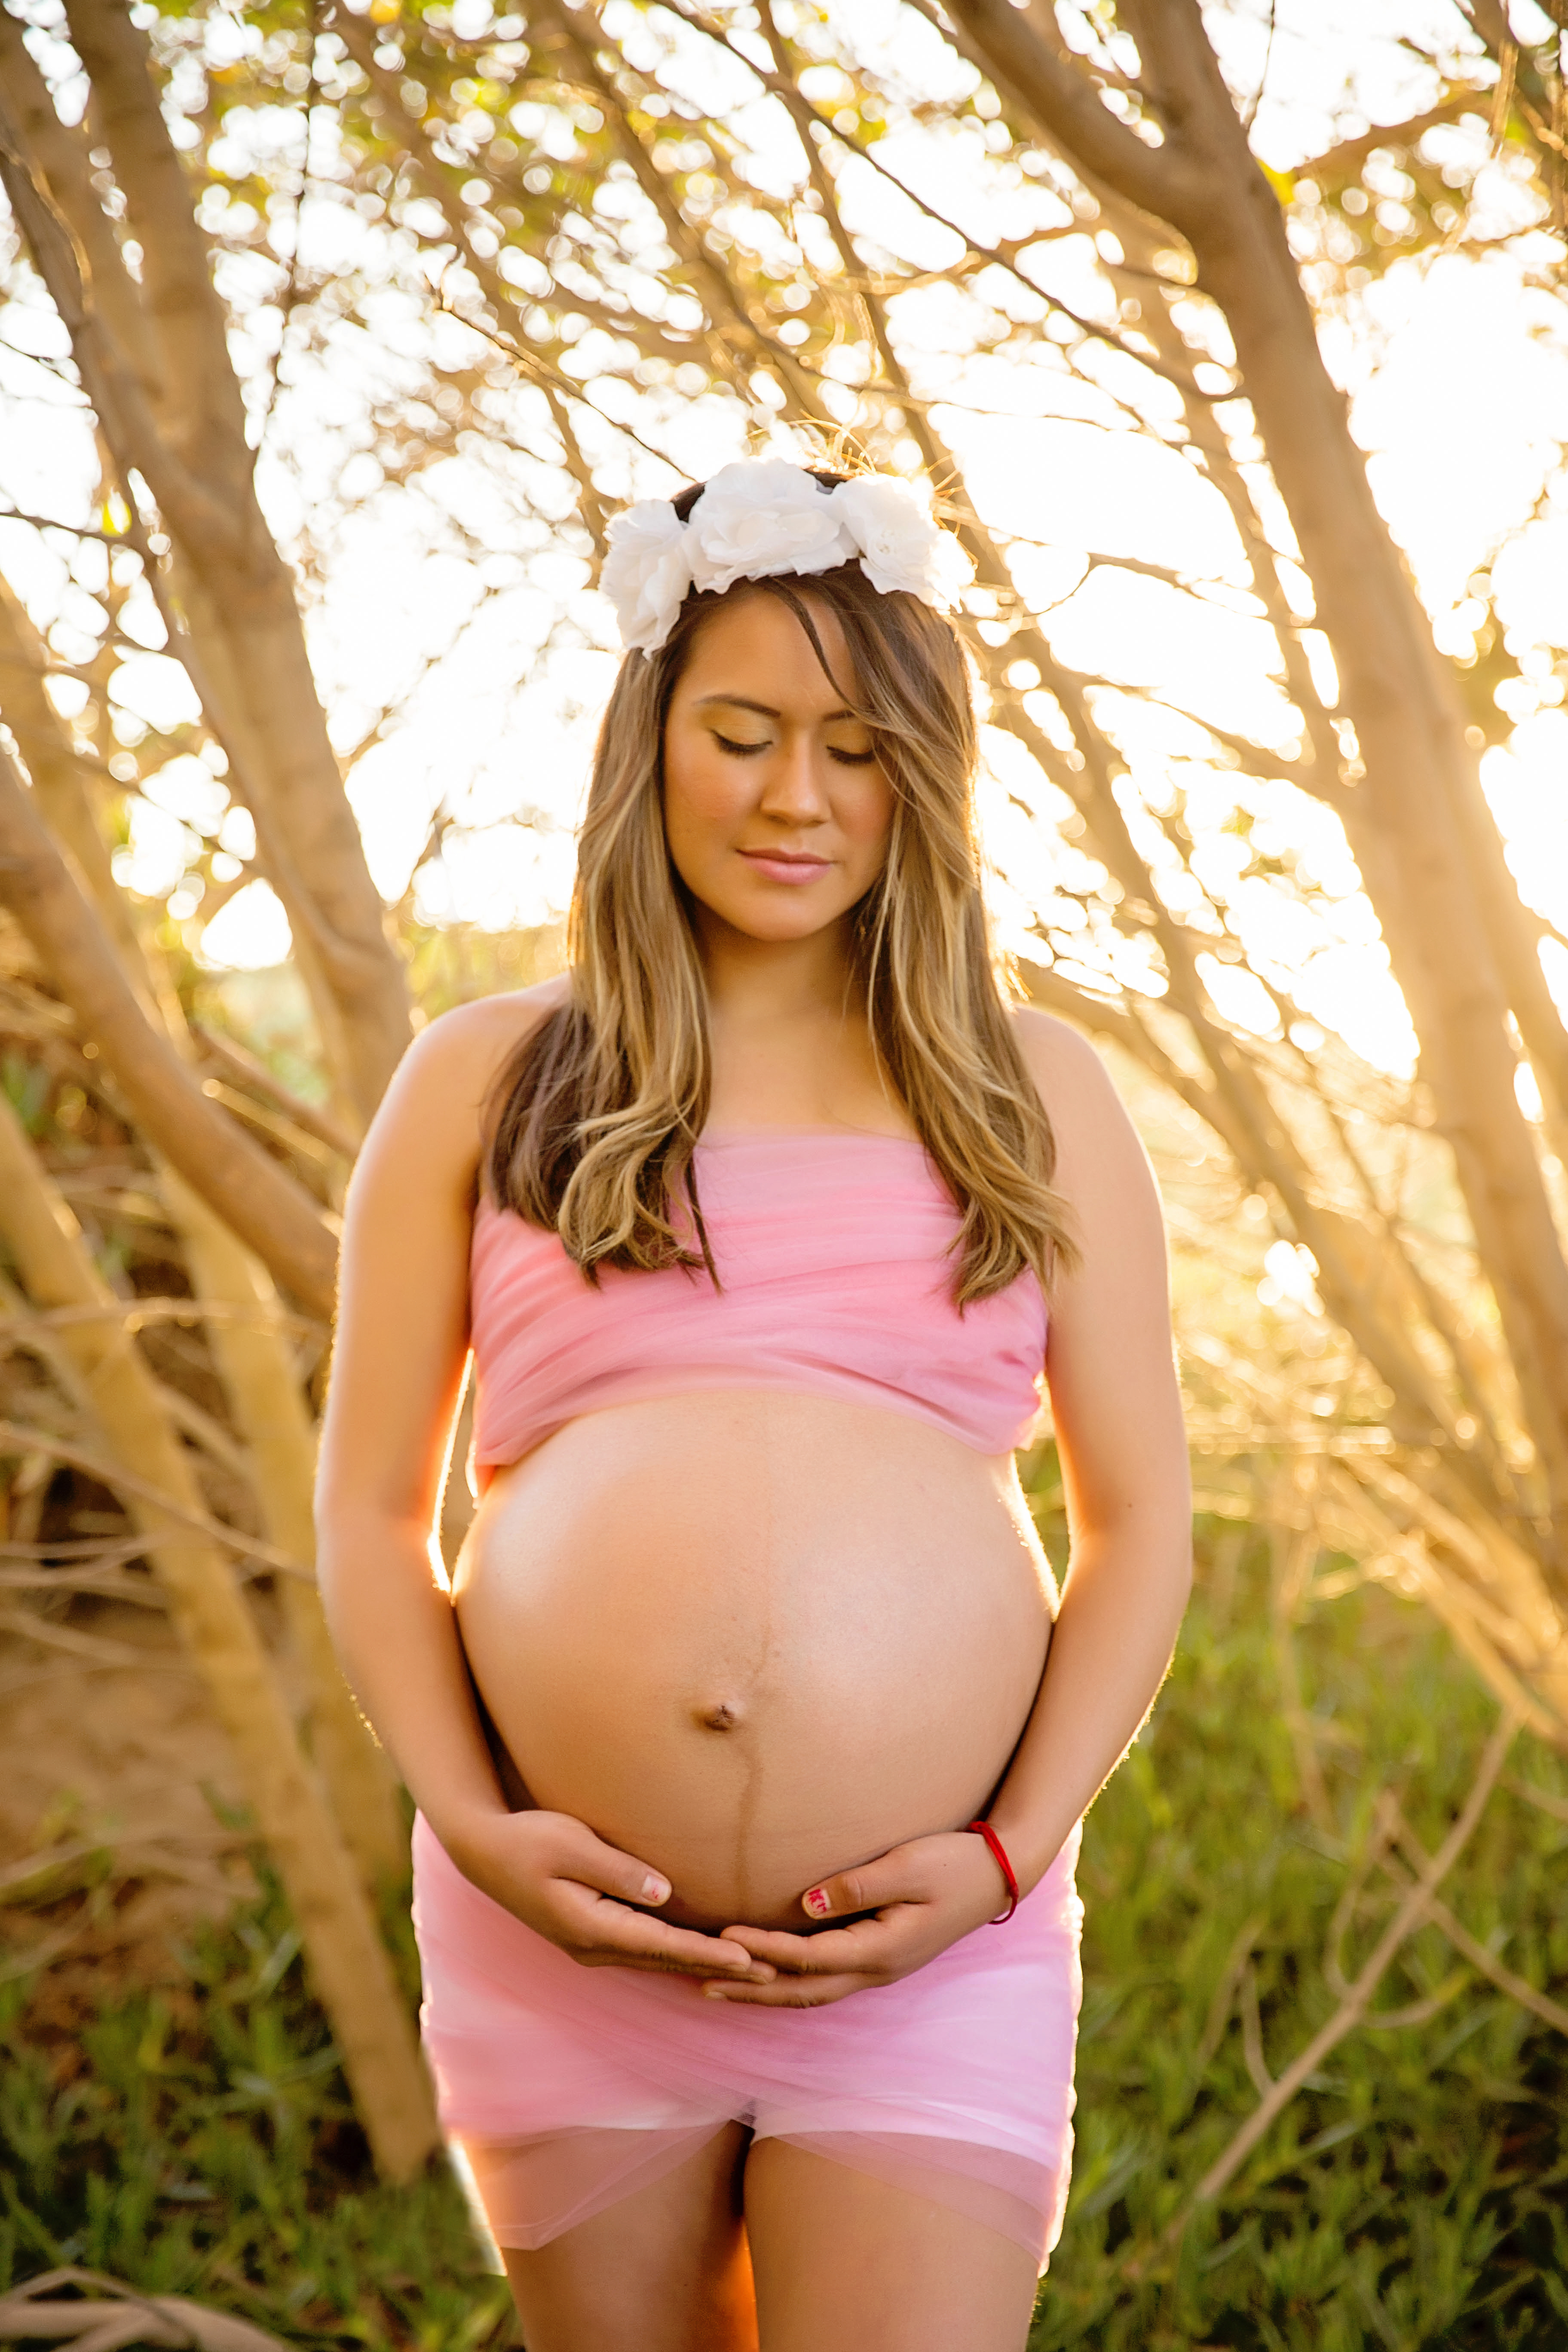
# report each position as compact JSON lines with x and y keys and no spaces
{"x":832,"y":1252}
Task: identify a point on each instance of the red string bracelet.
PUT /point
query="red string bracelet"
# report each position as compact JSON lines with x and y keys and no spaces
{"x":999,"y":1855}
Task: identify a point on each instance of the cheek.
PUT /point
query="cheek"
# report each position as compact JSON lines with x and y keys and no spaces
{"x":704,"y":799}
{"x":866,"y":817}
{"x":688,"y":785}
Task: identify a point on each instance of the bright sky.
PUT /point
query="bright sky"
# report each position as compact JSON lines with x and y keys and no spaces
{"x":446,"y":601}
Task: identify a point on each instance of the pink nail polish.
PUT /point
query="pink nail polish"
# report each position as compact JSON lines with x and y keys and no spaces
{"x":817,"y":1903}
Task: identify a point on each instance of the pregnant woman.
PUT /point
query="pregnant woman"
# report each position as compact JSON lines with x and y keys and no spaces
{"x":750,"y":1742}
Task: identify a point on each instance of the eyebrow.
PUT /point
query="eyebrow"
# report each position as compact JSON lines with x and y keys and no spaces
{"x":739,"y":702}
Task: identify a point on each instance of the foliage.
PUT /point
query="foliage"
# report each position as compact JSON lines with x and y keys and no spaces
{"x":195,"y":2139}
{"x":1413,"y":2192}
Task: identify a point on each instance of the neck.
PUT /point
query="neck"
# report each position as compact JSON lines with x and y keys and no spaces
{"x":767,"y":981}
{"x":789,"y":1033}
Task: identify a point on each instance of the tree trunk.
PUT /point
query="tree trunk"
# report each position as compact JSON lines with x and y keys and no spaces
{"x":1406,"y":819}
{"x":267,"y":1404}
{"x":342,"y":1948}
{"x":170,"y":409}
{"x":254,"y":1357}
{"x":53,"y":765}
{"x":250,"y":1191}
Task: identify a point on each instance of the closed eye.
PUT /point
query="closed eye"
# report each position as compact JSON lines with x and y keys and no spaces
{"x":844,"y":759}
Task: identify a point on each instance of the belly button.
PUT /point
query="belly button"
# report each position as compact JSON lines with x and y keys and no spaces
{"x":718,"y":1718}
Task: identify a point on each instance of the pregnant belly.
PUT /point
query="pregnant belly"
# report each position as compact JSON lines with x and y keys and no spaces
{"x":753,"y":1639}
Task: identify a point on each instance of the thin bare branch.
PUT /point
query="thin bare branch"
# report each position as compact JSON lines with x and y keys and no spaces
{"x":243,"y":1185}
{"x":1479,"y":1955}
{"x":1353,"y":2009}
{"x":268,"y":1559}
{"x":251,"y":1072}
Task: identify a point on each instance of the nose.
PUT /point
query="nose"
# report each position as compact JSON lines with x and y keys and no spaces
{"x":794,"y":789}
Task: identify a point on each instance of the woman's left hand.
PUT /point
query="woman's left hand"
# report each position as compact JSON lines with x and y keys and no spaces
{"x":925,"y":1896}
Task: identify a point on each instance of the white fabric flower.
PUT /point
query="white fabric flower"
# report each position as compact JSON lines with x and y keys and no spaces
{"x":898,"y":542}
{"x":646,"y":572}
{"x":760,"y":517}
{"x":764,"y":517}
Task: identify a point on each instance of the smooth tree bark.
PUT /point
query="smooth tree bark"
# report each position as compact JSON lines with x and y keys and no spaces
{"x":253,"y":1192}
{"x":1416,"y":816}
{"x":253,"y":1353}
{"x":267,"y":1404}
{"x":152,"y":349}
{"x":254,"y":1357}
{"x":52,"y":762}
{"x":348,"y":1963}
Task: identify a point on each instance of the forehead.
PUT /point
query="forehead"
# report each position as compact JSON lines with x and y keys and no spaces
{"x":753,"y":647}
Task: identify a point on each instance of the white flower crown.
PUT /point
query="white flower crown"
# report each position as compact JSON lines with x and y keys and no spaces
{"x":761,"y":516}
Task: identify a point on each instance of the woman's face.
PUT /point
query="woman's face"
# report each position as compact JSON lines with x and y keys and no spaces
{"x":777,"y":808}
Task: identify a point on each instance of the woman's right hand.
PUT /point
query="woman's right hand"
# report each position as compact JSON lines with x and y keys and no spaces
{"x":553,"y":1873}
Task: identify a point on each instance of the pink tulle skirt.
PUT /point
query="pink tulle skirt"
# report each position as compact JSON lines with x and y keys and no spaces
{"x":568,"y":2088}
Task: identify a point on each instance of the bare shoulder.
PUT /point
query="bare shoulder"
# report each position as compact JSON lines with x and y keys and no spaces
{"x":461,"y":1053}
{"x":430,"y":1120}
{"x":1097,"y":1144}
{"x":1072,"y":1079}
{"x":1054,"y":1053}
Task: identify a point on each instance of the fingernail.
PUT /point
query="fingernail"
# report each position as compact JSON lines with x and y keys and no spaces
{"x":655,"y":1890}
{"x":817,"y":1903}
{"x":715,"y":1992}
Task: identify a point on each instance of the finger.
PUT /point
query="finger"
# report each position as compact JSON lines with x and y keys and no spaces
{"x":654,"y":1965}
{"x":608,"y":1870}
{"x":679,"y":1947}
{"x":616,"y":1933}
{"x":891,"y":1878}
{"x":859,"y":1945}
{"x":813,"y":1992}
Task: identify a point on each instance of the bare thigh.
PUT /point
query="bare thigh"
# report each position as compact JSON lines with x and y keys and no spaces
{"x":664,"y":2270}
{"x":846,"y":2263}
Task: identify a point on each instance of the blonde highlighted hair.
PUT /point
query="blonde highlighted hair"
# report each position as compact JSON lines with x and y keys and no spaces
{"x":594,"y":1121}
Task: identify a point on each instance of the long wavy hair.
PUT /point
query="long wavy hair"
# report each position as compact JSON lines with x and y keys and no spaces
{"x":592,"y":1123}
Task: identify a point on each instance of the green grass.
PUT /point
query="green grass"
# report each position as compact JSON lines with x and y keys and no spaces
{"x":198,"y":2139}
{"x":1415,"y":2192}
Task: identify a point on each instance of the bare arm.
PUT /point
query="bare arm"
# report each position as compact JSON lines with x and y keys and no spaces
{"x":1117,"y":1407}
{"x":402,"y":1343}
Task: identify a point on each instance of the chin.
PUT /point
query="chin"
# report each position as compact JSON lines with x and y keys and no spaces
{"x":782,"y":918}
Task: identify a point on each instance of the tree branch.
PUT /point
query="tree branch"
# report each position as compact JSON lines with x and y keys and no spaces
{"x":122,"y":405}
{"x":61,"y":157}
{"x":244,"y":1186}
{"x":1353,"y":2009}
{"x":206,"y":413}
{"x":1345,"y":161}
{"x":249,"y":1072}
{"x":1470,"y":1947}
{"x":1000,"y":257}
{"x":1023,"y":51}
{"x":719,"y":297}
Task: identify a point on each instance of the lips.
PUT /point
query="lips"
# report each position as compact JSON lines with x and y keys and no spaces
{"x":787,"y":865}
